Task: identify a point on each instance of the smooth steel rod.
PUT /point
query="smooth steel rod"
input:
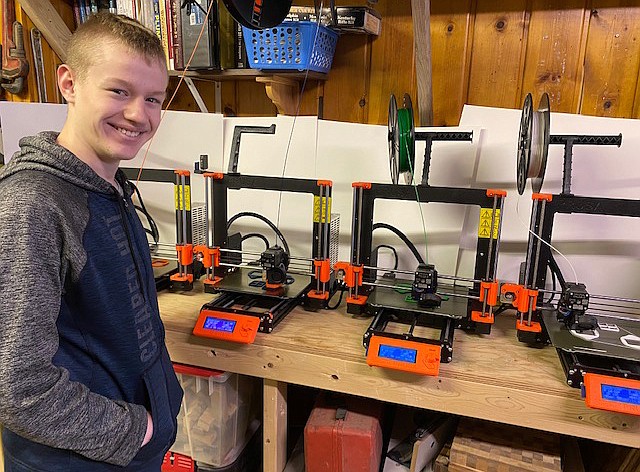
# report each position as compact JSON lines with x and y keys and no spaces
{"x":394,"y":287}
{"x":412,"y":272}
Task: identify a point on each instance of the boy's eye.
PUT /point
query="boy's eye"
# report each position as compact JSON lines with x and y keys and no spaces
{"x":153,"y":100}
{"x":118,"y":91}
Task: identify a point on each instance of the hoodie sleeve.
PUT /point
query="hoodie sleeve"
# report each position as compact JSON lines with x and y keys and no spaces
{"x":37,"y":399}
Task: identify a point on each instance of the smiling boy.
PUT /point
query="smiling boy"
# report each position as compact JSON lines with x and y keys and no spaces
{"x":86,"y":383}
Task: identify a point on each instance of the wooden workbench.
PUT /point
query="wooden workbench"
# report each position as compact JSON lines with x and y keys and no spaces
{"x":493,"y":377}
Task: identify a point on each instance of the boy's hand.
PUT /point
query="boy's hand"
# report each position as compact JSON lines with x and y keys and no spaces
{"x":149,"y":433}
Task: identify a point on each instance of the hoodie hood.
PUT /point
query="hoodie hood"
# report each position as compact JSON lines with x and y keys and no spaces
{"x":42,"y":153}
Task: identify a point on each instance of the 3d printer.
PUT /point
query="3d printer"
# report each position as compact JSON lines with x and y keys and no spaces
{"x":597,"y":336}
{"x":258,"y":289}
{"x":426,"y":298}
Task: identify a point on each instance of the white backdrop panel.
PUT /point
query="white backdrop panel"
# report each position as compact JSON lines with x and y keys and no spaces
{"x":178,"y":143}
{"x":349,"y":152}
{"x":605,"y":251}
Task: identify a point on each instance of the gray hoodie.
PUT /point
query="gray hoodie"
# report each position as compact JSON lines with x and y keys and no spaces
{"x":82,"y":354}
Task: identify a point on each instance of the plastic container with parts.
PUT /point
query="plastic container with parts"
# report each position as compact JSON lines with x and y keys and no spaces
{"x":218,"y":414}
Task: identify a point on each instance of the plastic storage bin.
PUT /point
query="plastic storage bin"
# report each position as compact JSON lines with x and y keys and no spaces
{"x":249,"y":460}
{"x":290,"y":46}
{"x":216,"y":411}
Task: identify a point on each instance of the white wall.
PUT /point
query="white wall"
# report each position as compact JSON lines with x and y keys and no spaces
{"x":605,"y":252}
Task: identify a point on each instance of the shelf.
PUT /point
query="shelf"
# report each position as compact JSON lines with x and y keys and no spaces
{"x":282,"y":87}
{"x":245,"y":74}
{"x":494,"y":378}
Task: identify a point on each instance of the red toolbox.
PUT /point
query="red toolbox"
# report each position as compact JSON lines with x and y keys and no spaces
{"x":343,"y":434}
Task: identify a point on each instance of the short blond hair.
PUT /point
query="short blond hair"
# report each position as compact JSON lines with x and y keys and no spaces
{"x":102,"y":28}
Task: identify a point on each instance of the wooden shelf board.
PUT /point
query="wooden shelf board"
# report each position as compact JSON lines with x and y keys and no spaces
{"x":492,"y":377}
{"x":245,"y":74}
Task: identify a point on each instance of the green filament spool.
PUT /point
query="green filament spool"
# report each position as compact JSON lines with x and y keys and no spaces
{"x":401,"y":140}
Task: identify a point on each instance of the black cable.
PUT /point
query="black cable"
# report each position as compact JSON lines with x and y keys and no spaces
{"x":339,"y":301}
{"x":262,"y":218}
{"x":501,"y":308}
{"x":188,"y":4}
{"x":256,"y":235}
{"x":402,"y":236}
{"x":556,"y":272}
{"x":155,"y":234}
{"x":553,"y":282}
{"x":395,"y":253}
{"x":555,"y":268}
{"x":342,"y":289}
{"x":152,"y":224}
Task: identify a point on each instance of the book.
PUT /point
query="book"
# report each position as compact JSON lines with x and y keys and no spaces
{"x":145,"y":14}
{"x":76,"y":12}
{"x":227,"y":38}
{"x":157,"y":28}
{"x":125,"y":7}
{"x":348,"y":19}
{"x":176,"y":34}
{"x":207,"y":53}
{"x":169,"y":27}
{"x":241,"y":52}
{"x":162,"y":13}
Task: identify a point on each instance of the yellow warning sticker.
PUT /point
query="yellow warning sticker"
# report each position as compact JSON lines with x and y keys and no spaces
{"x":319,"y":209}
{"x":177,"y":193}
{"x":484,"y":227}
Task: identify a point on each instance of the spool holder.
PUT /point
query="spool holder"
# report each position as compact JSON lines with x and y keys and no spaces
{"x":533,"y":146}
{"x":402,"y":137}
{"x":582,"y":357}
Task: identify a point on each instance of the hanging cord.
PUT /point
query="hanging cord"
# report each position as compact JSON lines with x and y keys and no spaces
{"x":337,"y":286}
{"x":393,"y":249}
{"x":153,"y":231}
{"x":256,"y":235}
{"x":295,"y":117}
{"x":402,"y":236}
{"x":415,"y":188}
{"x":175,"y":92}
{"x":575,"y":275}
{"x":262,"y":218}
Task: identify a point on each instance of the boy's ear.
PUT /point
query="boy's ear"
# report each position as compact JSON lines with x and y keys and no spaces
{"x":66,"y":82}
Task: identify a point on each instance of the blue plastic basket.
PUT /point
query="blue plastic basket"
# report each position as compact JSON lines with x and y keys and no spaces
{"x":290,"y":46}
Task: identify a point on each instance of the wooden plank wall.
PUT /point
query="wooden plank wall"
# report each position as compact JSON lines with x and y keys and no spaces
{"x":50,"y":59}
{"x":584,"y":53}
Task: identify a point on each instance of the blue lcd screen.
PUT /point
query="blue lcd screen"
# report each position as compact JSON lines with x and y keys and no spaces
{"x":621,"y":394}
{"x":217,"y":324}
{"x":401,"y":354}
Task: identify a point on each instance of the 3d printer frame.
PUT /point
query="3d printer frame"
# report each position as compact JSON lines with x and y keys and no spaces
{"x":181,"y":277}
{"x":246,"y":306}
{"x":599,"y":348}
{"x":585,"y":365}
{"x":467,"y":307}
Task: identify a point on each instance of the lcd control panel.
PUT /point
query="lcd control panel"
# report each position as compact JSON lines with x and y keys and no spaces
{"x":395,"y":353}
{"x":227,"y":326}
{"x":401,"y":354}
{"x":612,"y":393}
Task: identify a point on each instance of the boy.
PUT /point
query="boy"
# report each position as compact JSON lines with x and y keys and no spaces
{"x":86,"y":383}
